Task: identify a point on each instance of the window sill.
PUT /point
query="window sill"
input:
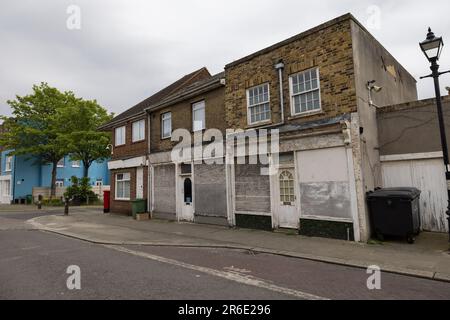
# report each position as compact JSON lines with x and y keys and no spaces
{"x":166,"y":138}
{"x":259,"y":124}
{"x":306,"y":115}
{"x":138,"y":141}
{"x":123,"y":200}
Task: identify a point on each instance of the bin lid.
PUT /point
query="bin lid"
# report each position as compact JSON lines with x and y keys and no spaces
{"x":403,"y":193}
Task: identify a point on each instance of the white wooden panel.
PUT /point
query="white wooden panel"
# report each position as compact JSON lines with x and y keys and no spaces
{"x":323,"y":165}
{"x":428,"y":176}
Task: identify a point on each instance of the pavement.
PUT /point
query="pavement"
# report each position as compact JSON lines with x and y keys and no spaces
{"x":428,"y":258}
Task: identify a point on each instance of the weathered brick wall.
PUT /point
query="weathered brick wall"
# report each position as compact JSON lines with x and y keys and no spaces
{"x":124,"y":206}
{"x":328,"y":48}
{"x":130,"y":149}
{"x":182,"y":117}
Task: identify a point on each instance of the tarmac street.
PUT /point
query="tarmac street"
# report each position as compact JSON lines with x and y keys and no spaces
{"x":34,"y":265}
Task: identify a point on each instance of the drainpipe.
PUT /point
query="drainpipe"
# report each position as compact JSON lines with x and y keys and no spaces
{"x":149,"y":202}
{"x":280,"y":67}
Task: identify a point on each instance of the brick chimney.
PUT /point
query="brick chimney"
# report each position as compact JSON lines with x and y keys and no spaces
{"x":448,"y":90}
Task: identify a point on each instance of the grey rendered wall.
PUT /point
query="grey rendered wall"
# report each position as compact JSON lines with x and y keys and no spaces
{"x":210,"y":190}
{"x":252,"y":189}
{"x":164,"y":194}
{"x":374,"y":62}
{"x":411,"y":127}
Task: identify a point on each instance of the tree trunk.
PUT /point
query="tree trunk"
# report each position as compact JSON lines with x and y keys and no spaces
{"x":86,"y":166}
{"x":53,"y":184}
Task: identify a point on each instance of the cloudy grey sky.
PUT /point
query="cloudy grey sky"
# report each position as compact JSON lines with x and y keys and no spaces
{"x":127,"y":50}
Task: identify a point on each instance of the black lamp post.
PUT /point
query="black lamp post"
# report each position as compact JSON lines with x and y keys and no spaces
{"x":432,"y":48}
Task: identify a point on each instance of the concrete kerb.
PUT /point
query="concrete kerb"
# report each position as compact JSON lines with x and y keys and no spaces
{"x":429,"y":275}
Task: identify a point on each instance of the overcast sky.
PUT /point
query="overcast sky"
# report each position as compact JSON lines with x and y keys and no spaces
{"x":127,"y":50}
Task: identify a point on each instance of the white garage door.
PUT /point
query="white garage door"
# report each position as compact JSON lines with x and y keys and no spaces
{"x":426,"y":175}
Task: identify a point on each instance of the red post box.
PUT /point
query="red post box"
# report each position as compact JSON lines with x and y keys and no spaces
{"x":106,"y":200}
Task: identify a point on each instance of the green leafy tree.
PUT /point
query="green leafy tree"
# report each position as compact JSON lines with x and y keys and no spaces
{"x":80,"y":190}
{"x":81,"y":136}
{"x":35,"y":127}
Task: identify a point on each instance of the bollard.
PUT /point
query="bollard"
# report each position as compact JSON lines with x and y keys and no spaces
{"x":66,"y":207}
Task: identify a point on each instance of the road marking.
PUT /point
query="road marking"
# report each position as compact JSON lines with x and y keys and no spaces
{"x":232,"y":276}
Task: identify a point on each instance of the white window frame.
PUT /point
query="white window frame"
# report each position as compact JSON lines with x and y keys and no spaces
{"x":140,"y":125}
{"x":123,"y":135}
{"x":8,"y":163}
{"x":292,"y":95}
{"x":76,"y":163}
{"x":249,"y":117}
{"x":201,"y":105}
{"x":59,"y":165}
{"x":126,"y":176}
{"x":167,"y":116}
{"x":59,"y":183}
{"x":99,"y":182}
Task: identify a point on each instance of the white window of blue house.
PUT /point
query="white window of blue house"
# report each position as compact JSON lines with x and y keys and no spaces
{"x":258,"y":104}
{"x":61,"y":163}
{"x":198,"y":116}
{"x":99,"y":182}
{"x":76,"y":163}
{"x":120,"y":136}
{"x":305,"y":92}
{"x":8,"y":163}
{"x":60,"y":183}
{"x":166,"y":125}
{"x":138,"y":131}
{"x":122,"y":186}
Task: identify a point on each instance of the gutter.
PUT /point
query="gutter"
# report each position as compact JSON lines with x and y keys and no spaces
{"x":188,"y":94}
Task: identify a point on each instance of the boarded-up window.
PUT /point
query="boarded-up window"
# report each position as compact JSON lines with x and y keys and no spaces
{"x":210,"y":190}
{"x":252,"y":189}
{"x":164,"y":184}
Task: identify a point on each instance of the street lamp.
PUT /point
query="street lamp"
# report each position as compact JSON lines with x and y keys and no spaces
{"x":432,"y":48}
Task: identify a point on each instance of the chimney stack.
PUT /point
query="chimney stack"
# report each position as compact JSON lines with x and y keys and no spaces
{"x":448,"y":90}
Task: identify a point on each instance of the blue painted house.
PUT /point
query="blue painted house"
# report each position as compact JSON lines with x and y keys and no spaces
{"x":19,"y":174}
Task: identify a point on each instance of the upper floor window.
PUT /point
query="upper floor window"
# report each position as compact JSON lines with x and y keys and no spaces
{"x":166,"y":125}
{"x":139,"y":130}
{"x":305,"y":92}
{"x":198,"y":116}
{"x":59,"y":183}
{"x":99,"y":182}
{"x":61,"y":163}
{"x":76,"y":163}
{"x":8,"y":164}
{"x":120,"y":136}
{"x":258,"y":104}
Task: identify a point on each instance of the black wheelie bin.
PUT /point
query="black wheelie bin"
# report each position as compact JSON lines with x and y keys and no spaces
{"x":395,"y":212}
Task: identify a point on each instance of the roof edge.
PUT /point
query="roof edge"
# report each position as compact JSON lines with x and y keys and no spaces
{"x":327,"y":24}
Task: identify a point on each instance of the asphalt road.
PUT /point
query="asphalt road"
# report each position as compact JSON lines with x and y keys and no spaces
{"x":33,"y":265}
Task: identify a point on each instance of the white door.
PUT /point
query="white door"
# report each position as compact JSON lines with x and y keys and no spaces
{"x":288,"y":211}
{"x":140,"y":183}
{"x":5,"y":191}
{"x":187,"y":206}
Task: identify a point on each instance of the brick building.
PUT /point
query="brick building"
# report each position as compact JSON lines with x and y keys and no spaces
{"x":315,"y":89}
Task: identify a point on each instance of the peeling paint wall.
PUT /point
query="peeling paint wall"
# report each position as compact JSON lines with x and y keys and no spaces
{"x":324,"y":183}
